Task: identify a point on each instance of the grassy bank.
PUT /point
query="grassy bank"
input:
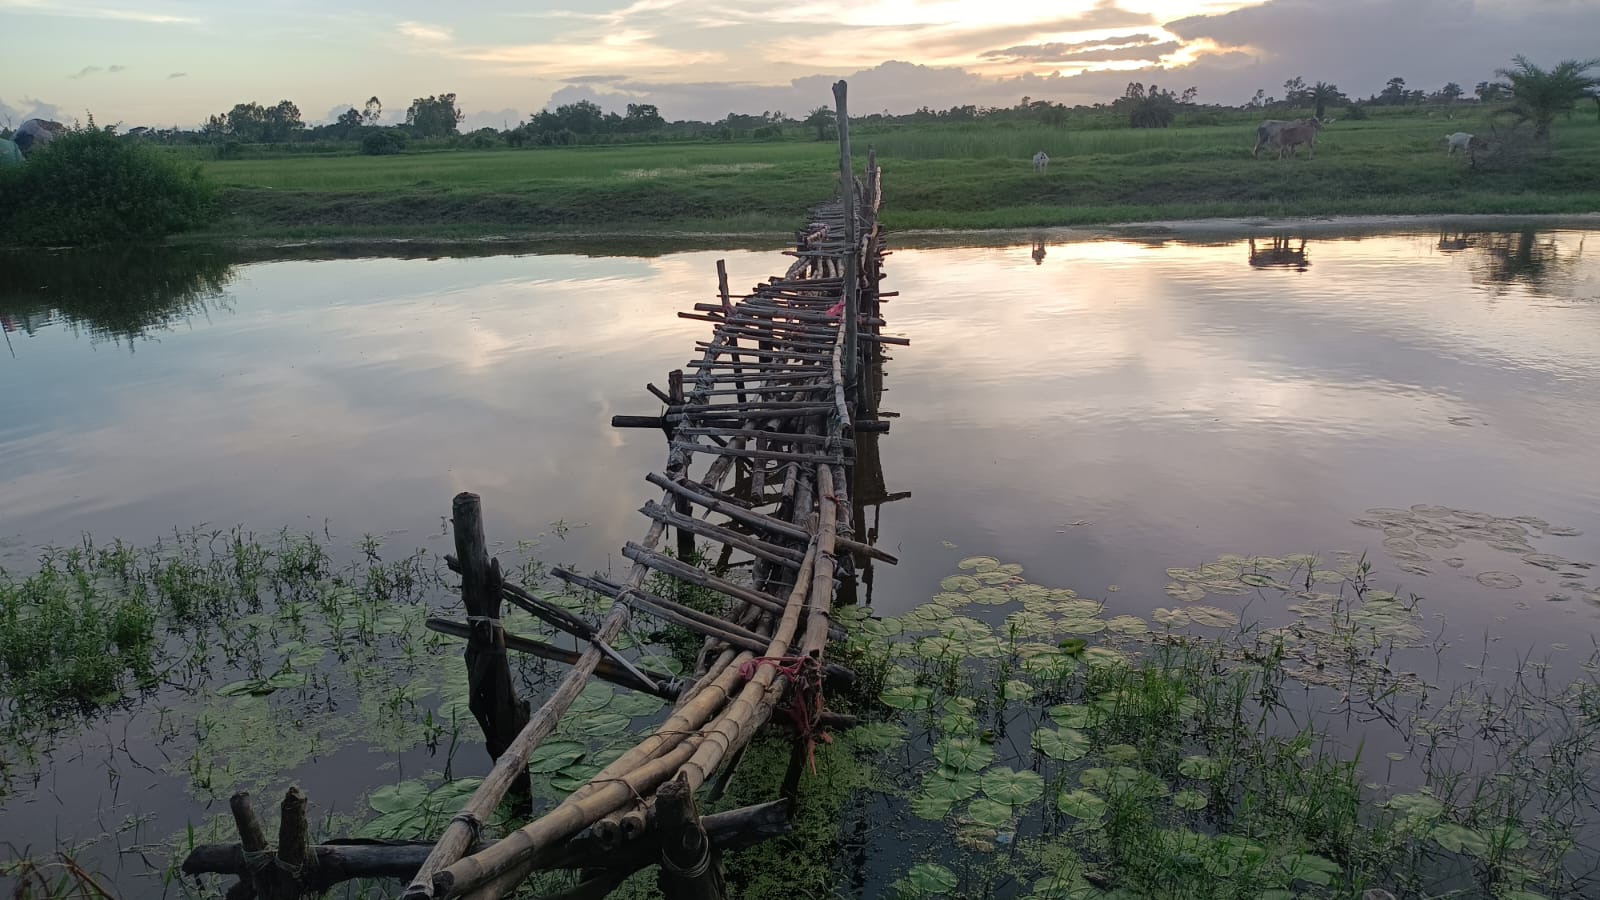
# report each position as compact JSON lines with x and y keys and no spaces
{"x":938,"y":177}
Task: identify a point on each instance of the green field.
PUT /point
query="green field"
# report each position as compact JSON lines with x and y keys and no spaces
{"x":975,"y":176}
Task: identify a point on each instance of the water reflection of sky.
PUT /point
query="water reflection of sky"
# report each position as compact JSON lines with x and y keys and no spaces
{"x":1175,"y":400}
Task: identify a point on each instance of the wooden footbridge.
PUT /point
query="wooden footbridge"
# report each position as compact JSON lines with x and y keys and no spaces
{"x":763,"y":433}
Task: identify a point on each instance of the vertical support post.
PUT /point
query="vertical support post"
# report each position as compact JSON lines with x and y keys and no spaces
{"x":680,"y":399}
{"x":691,"y":869}
{"x":492,"y":698}
{"x":727,"y":313}
{"x":852,"y":257}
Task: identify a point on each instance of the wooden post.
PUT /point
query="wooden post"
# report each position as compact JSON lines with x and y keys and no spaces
{"x":852,"y":256}
{"x":691,"y":869}
{"x":727,"y":313}
{"x":285,"y":874}
{"x":680,"y":399}
{"x":492,"y":698}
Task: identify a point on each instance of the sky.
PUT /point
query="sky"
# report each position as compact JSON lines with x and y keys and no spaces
{"x":165,"y":63}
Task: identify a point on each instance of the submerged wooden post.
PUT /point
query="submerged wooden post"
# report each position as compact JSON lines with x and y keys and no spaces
{"x":691,"y":868}
{"x":852,"y":255}
{"x":680,"y":399}
{"x":492,"y":698}
{"x":285,"y":874}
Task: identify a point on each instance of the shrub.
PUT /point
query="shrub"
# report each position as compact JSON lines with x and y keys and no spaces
{"x":1355,"y":112}
{"x":92,"y":187}
{"x":383,"y":143}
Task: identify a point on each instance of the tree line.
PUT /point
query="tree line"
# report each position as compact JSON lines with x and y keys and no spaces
{"x":1528,"y":91}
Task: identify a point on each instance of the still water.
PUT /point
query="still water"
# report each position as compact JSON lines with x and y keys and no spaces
{"x":1098,"y":411}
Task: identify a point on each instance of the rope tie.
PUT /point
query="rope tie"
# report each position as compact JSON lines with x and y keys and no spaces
{"x":473,"y":823}
{"x":491,"y":620}
{"x":637,"y":798}
{"x":805,"y":700}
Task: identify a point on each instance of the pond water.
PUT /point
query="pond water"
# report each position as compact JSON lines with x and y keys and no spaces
{"x":1097,"y":411}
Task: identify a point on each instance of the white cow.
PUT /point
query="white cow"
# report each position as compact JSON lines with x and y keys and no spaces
{"x":1461,"y":141}
{"x":1041,"y":162}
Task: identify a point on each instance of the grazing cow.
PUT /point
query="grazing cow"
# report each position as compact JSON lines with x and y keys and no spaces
{"x":1291,"y":137}
{"x":1461,"y":141}
{"x":1265,"y":132}
{"x":1041,"y":162}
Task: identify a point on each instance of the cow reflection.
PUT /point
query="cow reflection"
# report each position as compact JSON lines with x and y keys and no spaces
{"x":1038,"y":252}
{"x":1455,"y":241}
{"x":1281,"y":253}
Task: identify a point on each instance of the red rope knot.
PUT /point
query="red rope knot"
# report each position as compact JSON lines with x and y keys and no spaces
{"x":805,"y":695}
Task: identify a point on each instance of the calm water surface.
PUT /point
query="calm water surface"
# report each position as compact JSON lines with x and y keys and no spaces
{"x":1098,"y":411}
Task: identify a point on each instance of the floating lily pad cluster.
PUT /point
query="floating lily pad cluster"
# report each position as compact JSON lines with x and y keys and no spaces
{"x":1423,"y":534}
{"x":1035,"y":714}
{"x":598,"y":730}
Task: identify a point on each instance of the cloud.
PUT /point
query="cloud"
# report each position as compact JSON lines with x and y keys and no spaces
{"x":498,"y":119}
{"x":31,"y":108}
{"x":1137,"y":39}
{"x":1360,"y":44}
{"x":1063,"y":53}
{"x":421,"y":31}
{"x":177,"y":75}
{"x":596,"y":79}
{"x":86,"y":71}
{"x":75,"y":11}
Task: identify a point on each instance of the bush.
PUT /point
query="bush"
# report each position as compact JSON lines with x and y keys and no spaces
{"x":383,"y":143}
{"x":1355,"y":112}
{"x":91,"y":187}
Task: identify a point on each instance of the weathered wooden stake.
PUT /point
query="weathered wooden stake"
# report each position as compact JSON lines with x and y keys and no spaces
{"x":691,"y":869}
{"x":679,"y":399}
{"x":492,"y":698}
{"x":847,"y":198}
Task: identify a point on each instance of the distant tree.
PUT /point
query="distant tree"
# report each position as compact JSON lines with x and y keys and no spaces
{"x":281,"y":121}
{"x":1538,"y":96}
{"x":1153,"y":108}
{"x":1394,"y":93}
{"x":372,"y":111}
{"x":1296,"y":93}
{"x":386,"y":142}
{"x":1189,"y":95}
{"x":1323,"y":94}
{"x":643,"y":117}
{"x":821,"y":119}
{"x":1257,"y":101}
{"x":1489,"y":91}
{"x":349,"y":121}
{"x":434,"y":116}
{"x":1450,"y":93}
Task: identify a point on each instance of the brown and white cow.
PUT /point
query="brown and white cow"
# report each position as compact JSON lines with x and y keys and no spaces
{"x":1291,"y":137}
{"x":1268,"y":132}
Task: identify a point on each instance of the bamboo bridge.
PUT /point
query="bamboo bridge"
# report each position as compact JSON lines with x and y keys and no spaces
{"x":765,"y":433}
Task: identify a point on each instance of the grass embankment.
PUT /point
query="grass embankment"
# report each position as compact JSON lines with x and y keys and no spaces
{"x":938,"y":177}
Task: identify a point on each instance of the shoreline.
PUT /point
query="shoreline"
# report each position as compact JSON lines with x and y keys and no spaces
{"x":1210,"y":228}
{"x":655,"y":242}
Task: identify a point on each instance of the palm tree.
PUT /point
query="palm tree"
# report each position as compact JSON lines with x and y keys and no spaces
{"x":1323,"y":94}
{"x":1539,"y":96}
{"x":820,"y":118}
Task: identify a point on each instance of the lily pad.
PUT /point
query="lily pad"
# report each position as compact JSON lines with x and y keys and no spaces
{"x":951,"y":785}
{"x":1064,"y":744}
{"x":1129,"y":625}
{"x":595,"y":696}
{"x":878,"y":735}
{"x":963,"y":754}
{"x":1190,"y":800}
{"x":604,"y":724}
{"x":555,"y":756}
{"x":1072,"y":715}
{"x":1211,"y":616}
{"x":960,"y":583}
{"x":964,"y":628}
{"x":1015,"y":690}
{"x":989,"y":812}
{"x":1460,"y":839}
{"x":931,"y":878}
{"x":1012,"y":787}
{"x":907,"y":696}
{"x":1504,"y":581}
{"x":1185,"y":592}
{"x":981,"y":563}
{"x":1081,"y":804}
{"x":1312,"y":869}
{"x":1083,"y":626}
